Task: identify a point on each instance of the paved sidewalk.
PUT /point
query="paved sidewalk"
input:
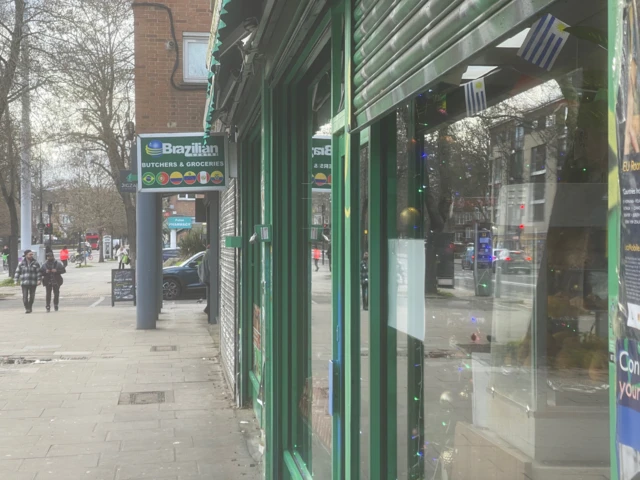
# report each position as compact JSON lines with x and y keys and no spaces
{"x":83,"y":395}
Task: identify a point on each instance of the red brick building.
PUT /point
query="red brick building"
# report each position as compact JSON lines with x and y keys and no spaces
{"x":170,"y":73}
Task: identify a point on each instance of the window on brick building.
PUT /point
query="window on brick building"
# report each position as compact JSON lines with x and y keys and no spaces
{"x":194,"y":48}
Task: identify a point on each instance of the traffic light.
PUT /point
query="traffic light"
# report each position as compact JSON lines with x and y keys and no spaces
{"x":521,"y":227}
{"x":48,"y":229}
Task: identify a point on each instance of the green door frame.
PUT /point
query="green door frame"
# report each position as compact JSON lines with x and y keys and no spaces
{"x":282,"y":126}
{"x":382,"y":340}
{"x":613,"y":222}
{"x":351,"y":215}
{"x":249,"y":185}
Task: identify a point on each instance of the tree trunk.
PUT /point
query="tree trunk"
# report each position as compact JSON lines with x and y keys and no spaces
{"x":13,"y":240}
{"x":13,"y":60}
{"x":431,"y":277}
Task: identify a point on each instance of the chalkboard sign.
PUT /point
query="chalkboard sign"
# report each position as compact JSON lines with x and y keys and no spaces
{"x":123,"y":286}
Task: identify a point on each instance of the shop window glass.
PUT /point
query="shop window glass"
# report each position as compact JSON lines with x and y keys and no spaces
{"x":505,"y":376}
{"x":314,"y":431}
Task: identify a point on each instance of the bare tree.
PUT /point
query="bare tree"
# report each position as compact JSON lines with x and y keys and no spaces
{"x":91,"y":201}
{"x":10,"y":182}
{"x":95,"y":49}
{"x":10,"y":40}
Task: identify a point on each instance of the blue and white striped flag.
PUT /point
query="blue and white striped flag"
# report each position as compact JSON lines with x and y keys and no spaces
{"x":475,"y":97}
{"x":544,"y":42}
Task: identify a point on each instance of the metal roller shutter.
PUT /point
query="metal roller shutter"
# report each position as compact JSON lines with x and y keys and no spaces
{"x":228,"y":285}
{"x":397,"y":43}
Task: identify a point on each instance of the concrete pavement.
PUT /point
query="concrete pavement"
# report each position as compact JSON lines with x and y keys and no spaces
{"x":83,"y":395}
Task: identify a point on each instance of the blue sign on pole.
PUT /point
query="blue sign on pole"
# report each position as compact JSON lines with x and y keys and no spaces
{"x":179,"y":223}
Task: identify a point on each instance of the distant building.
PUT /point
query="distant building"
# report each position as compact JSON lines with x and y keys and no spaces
{"x":527,"y":161}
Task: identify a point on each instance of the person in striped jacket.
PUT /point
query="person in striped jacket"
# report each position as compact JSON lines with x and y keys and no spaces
{"x":29,"y":277}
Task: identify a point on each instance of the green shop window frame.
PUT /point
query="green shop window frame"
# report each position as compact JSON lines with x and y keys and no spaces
{"x":290,"y":130}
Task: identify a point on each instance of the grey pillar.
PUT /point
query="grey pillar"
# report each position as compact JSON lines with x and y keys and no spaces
{"x":214,"y":240}
{"x":159,"y":244}
{"x":146,"y":263}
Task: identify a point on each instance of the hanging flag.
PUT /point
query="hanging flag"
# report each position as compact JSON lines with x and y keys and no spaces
{"x":544,"y":42}
{"x":475,"y":97}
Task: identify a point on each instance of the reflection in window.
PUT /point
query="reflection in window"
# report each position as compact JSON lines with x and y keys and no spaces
{"x":507,"y":371}
{"x":538,"y":158}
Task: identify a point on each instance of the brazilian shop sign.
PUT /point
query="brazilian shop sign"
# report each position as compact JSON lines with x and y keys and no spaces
{"x":181,"y":162}
{"x":321,"y":163}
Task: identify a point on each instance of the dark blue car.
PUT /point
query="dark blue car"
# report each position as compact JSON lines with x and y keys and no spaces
{"x":182,"y":279}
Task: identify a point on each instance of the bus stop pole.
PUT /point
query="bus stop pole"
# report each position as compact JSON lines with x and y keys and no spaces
{"x":214,"y":263}
{"x":146,"y":263}
{"x":159,"y":245}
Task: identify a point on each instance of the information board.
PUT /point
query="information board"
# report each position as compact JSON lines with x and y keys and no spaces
{"x":123,"y":285}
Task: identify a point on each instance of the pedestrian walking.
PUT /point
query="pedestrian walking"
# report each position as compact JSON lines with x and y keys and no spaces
{"x":51,"y":272}
{"x":204,"y":273}
{"x":329,"y":256}
{"x":64,"y":256}
{"x":28,"y":276}
{"x":316,"y":258}
{"x":79,"y":256}
{"x":5,"y":257}
{"x":123,"y":256}
{"x":364,"y":280}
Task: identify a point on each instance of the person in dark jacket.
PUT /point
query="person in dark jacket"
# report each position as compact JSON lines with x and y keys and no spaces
{"x":364,"y":280}
{"x":204,"y":273}
{"x":28,"y":276}
{"x":52,"y":271}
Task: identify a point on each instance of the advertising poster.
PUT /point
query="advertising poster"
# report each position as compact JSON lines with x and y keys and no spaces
{"x":406,"y":286}
{"x":321,"y":163}
{"x":181,"y":162}
{"x":625,"y":310}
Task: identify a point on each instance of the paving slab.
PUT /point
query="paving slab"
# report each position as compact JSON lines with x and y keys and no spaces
{"x":71,"y":409}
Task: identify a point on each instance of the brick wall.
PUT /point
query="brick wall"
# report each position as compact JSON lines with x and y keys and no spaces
{"x":160,"y":108}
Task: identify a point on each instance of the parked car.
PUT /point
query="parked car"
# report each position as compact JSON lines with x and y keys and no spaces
{"x":498,"y":254}
{"x":168,"y":253}
{"x":182,"y":279}
{"x":513,"y":261}
{"x":468,"y":258}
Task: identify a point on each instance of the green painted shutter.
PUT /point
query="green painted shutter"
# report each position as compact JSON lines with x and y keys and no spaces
{"x":396,"y":40}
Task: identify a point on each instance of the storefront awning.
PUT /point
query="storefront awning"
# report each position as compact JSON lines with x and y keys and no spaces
{"x":217,"y":23}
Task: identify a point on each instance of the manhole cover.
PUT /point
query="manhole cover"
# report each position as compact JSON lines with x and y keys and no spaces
{"x":164,"y":348}
{"x":145,"y":398}
{"x":15,"y":361}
